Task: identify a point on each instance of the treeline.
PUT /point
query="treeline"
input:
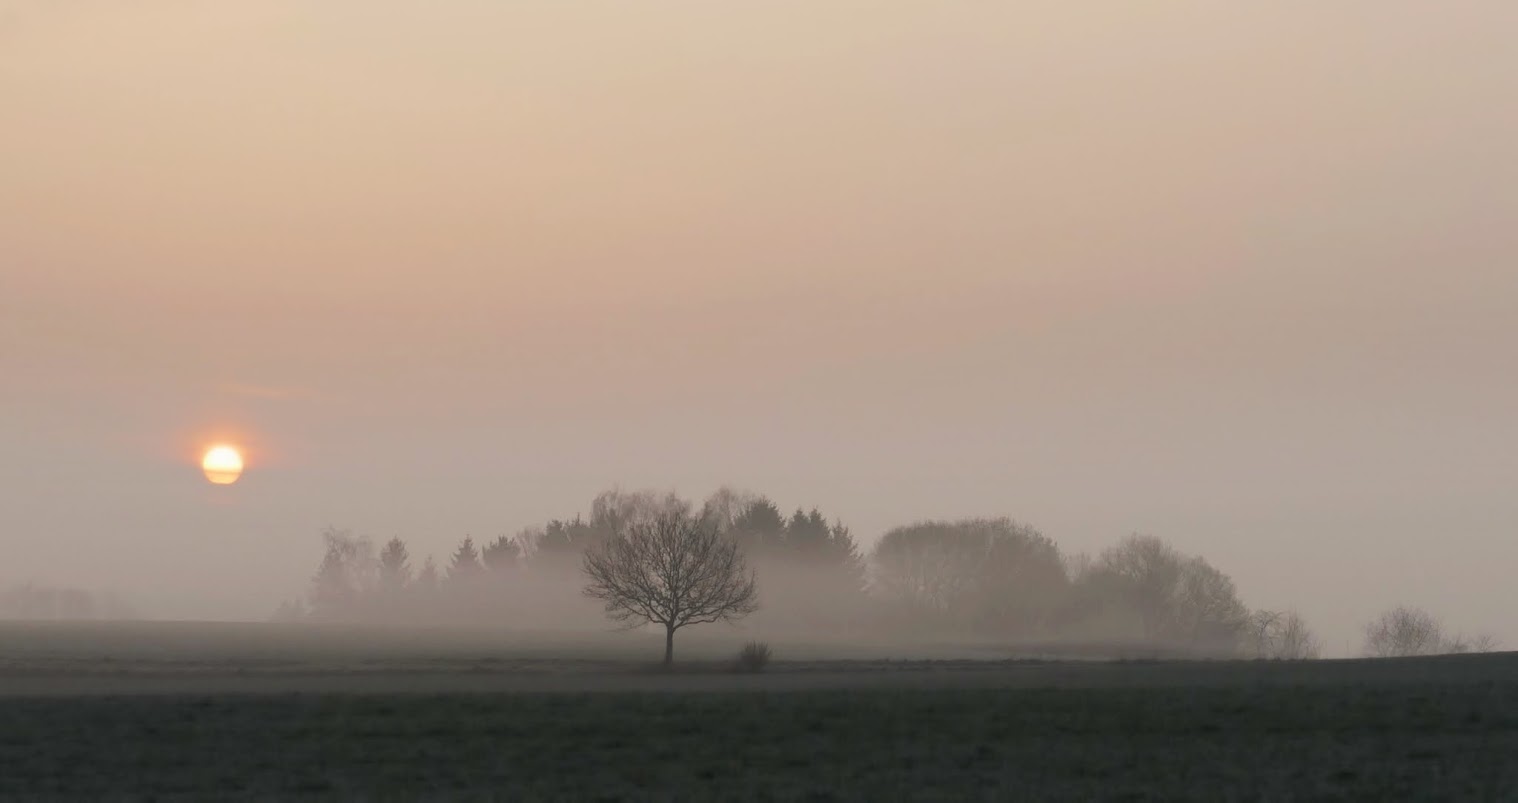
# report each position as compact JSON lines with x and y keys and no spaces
{"x":35,"y":602}
{"x":992,"y":580}
{"x":814,"y":573}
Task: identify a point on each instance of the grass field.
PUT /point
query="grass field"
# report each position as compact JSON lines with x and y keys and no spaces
{"x":1437,"y":729}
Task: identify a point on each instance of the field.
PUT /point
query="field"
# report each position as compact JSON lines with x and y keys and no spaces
{"x":138,"y":712}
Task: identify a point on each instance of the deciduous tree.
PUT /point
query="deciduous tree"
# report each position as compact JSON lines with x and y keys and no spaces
{"x":988,"y":575}
{"x":671,"y":570}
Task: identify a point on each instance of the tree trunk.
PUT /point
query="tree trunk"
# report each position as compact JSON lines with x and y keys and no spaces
{"x":669,"y":646}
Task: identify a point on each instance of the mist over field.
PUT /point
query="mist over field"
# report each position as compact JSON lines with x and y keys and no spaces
{"x":1238,"y":278}
{"x":969,"y":588}
{"x":802,"y":399}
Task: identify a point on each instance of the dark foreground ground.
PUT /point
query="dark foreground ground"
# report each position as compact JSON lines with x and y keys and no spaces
{"x":1429,"y":741}
{"x":1435,"y":729}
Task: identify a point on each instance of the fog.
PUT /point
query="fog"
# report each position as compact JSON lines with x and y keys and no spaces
{"x":1239,"y":278}
{"x":943,"y":587}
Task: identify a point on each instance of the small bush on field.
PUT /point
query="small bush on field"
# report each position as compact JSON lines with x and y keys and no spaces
{"x":753,"y":657}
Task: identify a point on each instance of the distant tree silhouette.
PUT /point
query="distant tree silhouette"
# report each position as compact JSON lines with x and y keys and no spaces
{"x":1406,"y":631}
{"x":347,"y":570}
{"x":1172,"y":597}
{"x":465,"y":565}
{"x":988,"y":577}
{"x":291,"y":610}
{"x":614,"y":511}
{"x":760,"y":515}
{"x":427,"y":580}
{"x":1295,"y":641}
{"x":723,"y":508}
{"x":807,"y":534}
{"x":1483,"y":642}
{"x":1279,"y":635}
{"x":672,"y":570}
{"x":561,"y":544}
{"x":762,"y":531}
{"x":985,"y":575}
{"x":814,"y":574}
{"x":1208,"y":610}
{"x":30,"y":601}
{"x":760,"y":526}
{"x":394,"y":567}
{"x":501,"y":555}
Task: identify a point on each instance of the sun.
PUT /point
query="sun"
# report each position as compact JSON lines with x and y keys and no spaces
{"x":222,"y":465}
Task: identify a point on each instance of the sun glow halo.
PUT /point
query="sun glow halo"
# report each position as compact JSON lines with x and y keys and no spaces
{"x":222,"y":465}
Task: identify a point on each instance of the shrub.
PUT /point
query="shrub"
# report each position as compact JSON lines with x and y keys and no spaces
{"x":754,"y":656}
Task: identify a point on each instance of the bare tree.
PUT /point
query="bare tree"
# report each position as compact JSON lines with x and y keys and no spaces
{"x":726,"y":507}
{"x":1168,"y":596}
{"x":1143,"y":575}
{"x":616,"y":510}
{"x":673,"y":570}
{"x":347,"y":571}
{"x":1295,"y":641}
{"x":1404,"y":631}
{"x":1483,"y":642}
{"x":1280,"y":635}
{"x":1208,"y":606}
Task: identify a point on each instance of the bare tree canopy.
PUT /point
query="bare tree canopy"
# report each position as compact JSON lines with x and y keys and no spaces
{"x":727,"y":506}
{"x":1405,"y":631}
{"x":994,"y":575}
{"x":1174,"y":597}
{"x":347,"y":570}
{"x":616,"y":510}
{"x":671,"y":569}
{"x":1281,"y":636}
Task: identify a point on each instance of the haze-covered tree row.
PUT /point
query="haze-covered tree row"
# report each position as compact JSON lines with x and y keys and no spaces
{"x":984,"y":580}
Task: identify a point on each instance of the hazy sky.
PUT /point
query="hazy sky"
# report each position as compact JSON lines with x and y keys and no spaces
{"x":1240,"y":275}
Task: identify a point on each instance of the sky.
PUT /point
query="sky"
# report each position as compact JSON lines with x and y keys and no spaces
{"x":1238,"y":275}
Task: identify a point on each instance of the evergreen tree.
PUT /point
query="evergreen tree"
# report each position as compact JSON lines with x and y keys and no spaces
{"x":427,"y":579}
{"x":561,"y":543}
{"x":466,"y":561}
{"x":807,"y":535}
{"x":394,"y":567}
{"x":501,"y":554}
{"x":759,"y":527}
